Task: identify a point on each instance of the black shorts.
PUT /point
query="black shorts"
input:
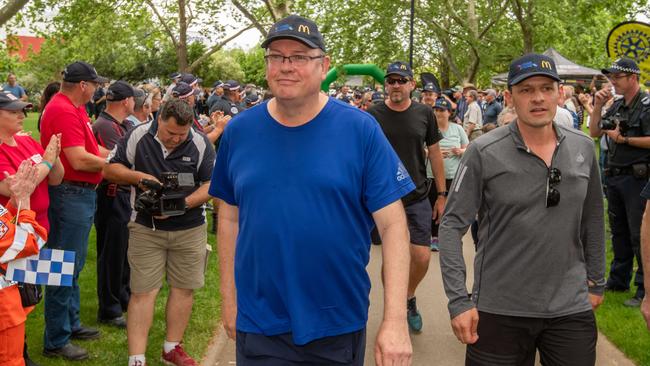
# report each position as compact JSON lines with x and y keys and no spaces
{"x":513,"y":341}
{"x":279,"y":350}
{"x":418,"y":217}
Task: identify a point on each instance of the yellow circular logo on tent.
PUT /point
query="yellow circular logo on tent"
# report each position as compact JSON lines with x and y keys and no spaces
{"x":632,"y":40}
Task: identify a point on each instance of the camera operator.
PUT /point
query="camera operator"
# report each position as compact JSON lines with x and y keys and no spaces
{"x":166,"y":238}
{"x":627,"y":124}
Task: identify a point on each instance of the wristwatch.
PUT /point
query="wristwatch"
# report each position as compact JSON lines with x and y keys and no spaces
{"x":444,"y":193}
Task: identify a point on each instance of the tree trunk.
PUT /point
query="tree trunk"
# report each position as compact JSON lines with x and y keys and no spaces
{"x":181,"y":49}
{"x":10,"y":9}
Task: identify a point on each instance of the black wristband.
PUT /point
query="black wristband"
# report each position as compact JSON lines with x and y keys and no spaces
{"x":443,"y":193}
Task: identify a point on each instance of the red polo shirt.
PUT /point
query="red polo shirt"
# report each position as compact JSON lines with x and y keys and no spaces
{"x":61,"y":116}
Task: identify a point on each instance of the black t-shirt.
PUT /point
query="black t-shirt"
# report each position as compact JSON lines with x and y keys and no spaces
{"x":637,"y":116}
{"x":409,"y":132}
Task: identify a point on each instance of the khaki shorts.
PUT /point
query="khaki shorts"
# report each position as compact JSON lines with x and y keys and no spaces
{"x":181,"y":255}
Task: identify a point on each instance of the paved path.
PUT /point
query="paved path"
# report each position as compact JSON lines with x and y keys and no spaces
{"x":436,"y":345}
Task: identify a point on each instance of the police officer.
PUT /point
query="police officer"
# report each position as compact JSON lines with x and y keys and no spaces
{"x":627,"y":124}
{"x":113,"y":210}
{"x":230,"y":102}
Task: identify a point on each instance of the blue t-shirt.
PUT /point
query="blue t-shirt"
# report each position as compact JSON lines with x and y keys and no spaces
{"x":16,"y":90}
{"x":305,"y":197}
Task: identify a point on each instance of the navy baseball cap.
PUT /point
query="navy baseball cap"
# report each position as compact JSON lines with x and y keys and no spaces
{"x":378,"y":97}
{"x":231,"y":85}
{"x":252,"y":99}
{"x":623,"y":64}
{"x":442,"y":103}
{"x":217,"y":84}
{"x":190,"y":79}
{"x":175,"y":75}
{"x":430,"y":87}
{"x":297,"y":28}
{"x":183,"y":90}
{"x":81,"y":71}
{"x":399,"y":68}
{"x":119,"y":90}
{"x":9,"y":102}
{"x":529,"y":65}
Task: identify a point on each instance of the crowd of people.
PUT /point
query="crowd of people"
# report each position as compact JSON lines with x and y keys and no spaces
{"x":305,"y":181}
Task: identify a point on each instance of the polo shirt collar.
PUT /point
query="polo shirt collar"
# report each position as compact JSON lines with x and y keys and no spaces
{"x":519,"y":140}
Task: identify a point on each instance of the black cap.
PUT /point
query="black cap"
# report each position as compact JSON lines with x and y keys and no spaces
{"x":217,"y":84}
{"x":377,"y":97}
{"x":399,"y":68}
{"x":189,"y":79}
{"x":623,"y":64}
{"x":231,"y":85}
{"x":252,"y":99}
{"x":9,"y":102}
{"x":298,"y":28}
{"x":81,"y":71}
{"x":119,"y":90}
{"x":442,"y":103}
{"x":532,"y":64}
{"x":175,"y":75}
{"x":183,"y":90}
{"x":430,"y":87}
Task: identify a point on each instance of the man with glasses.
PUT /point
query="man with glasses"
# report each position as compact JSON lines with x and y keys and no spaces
{"x":540,"y":262}
{"x":300,"y":179}
{"x":72,"y":203}
{"x":627,"y":126}
{"x":410,"y":127}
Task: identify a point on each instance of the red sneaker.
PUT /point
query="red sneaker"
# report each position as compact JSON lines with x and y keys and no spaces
{"x":177,"y":357}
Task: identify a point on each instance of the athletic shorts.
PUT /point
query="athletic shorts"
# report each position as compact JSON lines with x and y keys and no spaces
{"x":279,"y":350}
{"x":180,"y":255}
{"x":513,"y":341}
{"x":418,"y":217}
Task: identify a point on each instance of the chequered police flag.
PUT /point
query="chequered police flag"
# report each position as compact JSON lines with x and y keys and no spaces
{"x":51,"y":267}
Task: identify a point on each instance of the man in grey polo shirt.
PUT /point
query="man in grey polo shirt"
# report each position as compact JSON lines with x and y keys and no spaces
{"x":540,"y":262}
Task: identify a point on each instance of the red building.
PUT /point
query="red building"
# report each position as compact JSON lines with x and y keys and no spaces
{"x":23,"y":45}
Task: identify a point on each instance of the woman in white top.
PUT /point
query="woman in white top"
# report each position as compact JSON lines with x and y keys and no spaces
{"x":452,"y":146}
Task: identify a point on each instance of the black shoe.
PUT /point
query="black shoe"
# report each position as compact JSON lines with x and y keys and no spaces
{"x":85,"y":333}
{"x":615,"y":288}
{"x":69,"y":352}
{"x":119,"y":322}
{"x":634,"y":302}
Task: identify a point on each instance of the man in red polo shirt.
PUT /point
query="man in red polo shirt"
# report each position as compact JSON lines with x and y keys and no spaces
{"x":72,"y":204}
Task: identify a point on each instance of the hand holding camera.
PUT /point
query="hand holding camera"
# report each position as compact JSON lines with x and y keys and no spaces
{"x":164,"y":198}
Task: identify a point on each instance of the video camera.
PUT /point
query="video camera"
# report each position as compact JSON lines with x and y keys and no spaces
{"x":613,"y":121}
{"x":166,"y":198}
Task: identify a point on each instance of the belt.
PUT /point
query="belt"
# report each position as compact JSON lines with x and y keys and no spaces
{"x":80,"y":184}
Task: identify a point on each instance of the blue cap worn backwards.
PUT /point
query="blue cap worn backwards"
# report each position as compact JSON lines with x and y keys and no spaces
{"x":297,"y":28}
{"x":442,"y":103}
{"x":530,"y":65}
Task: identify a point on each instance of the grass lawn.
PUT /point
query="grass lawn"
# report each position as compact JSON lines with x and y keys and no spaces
{"x":111,"y":349}
{"x":623,"y":326}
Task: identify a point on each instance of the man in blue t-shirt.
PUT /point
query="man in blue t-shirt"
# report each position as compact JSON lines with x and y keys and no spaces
{"x":12,"y":87}
{"x":301,"y":180}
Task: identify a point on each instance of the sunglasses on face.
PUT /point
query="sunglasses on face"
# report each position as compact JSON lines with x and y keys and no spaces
{"x":400,"y":81}
{"x":552,"y":194}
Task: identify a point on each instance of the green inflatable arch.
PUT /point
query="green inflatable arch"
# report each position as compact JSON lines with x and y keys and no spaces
{"x":353,"y":69}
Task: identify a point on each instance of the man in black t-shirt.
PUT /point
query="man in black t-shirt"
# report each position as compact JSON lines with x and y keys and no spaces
{"x":410,"y":127}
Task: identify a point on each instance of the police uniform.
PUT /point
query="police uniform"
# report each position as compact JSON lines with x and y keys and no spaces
{"x":627,"y":173}
{"x":228,"y":107}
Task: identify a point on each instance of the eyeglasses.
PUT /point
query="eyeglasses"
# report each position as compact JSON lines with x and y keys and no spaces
{"x":298,"y":60}
{"x":400,"y":81}
{"x":618,"y":76}
{"x":552,"y":194}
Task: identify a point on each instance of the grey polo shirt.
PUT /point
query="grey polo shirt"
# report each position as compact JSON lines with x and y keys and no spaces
{"x":531,"y":261}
